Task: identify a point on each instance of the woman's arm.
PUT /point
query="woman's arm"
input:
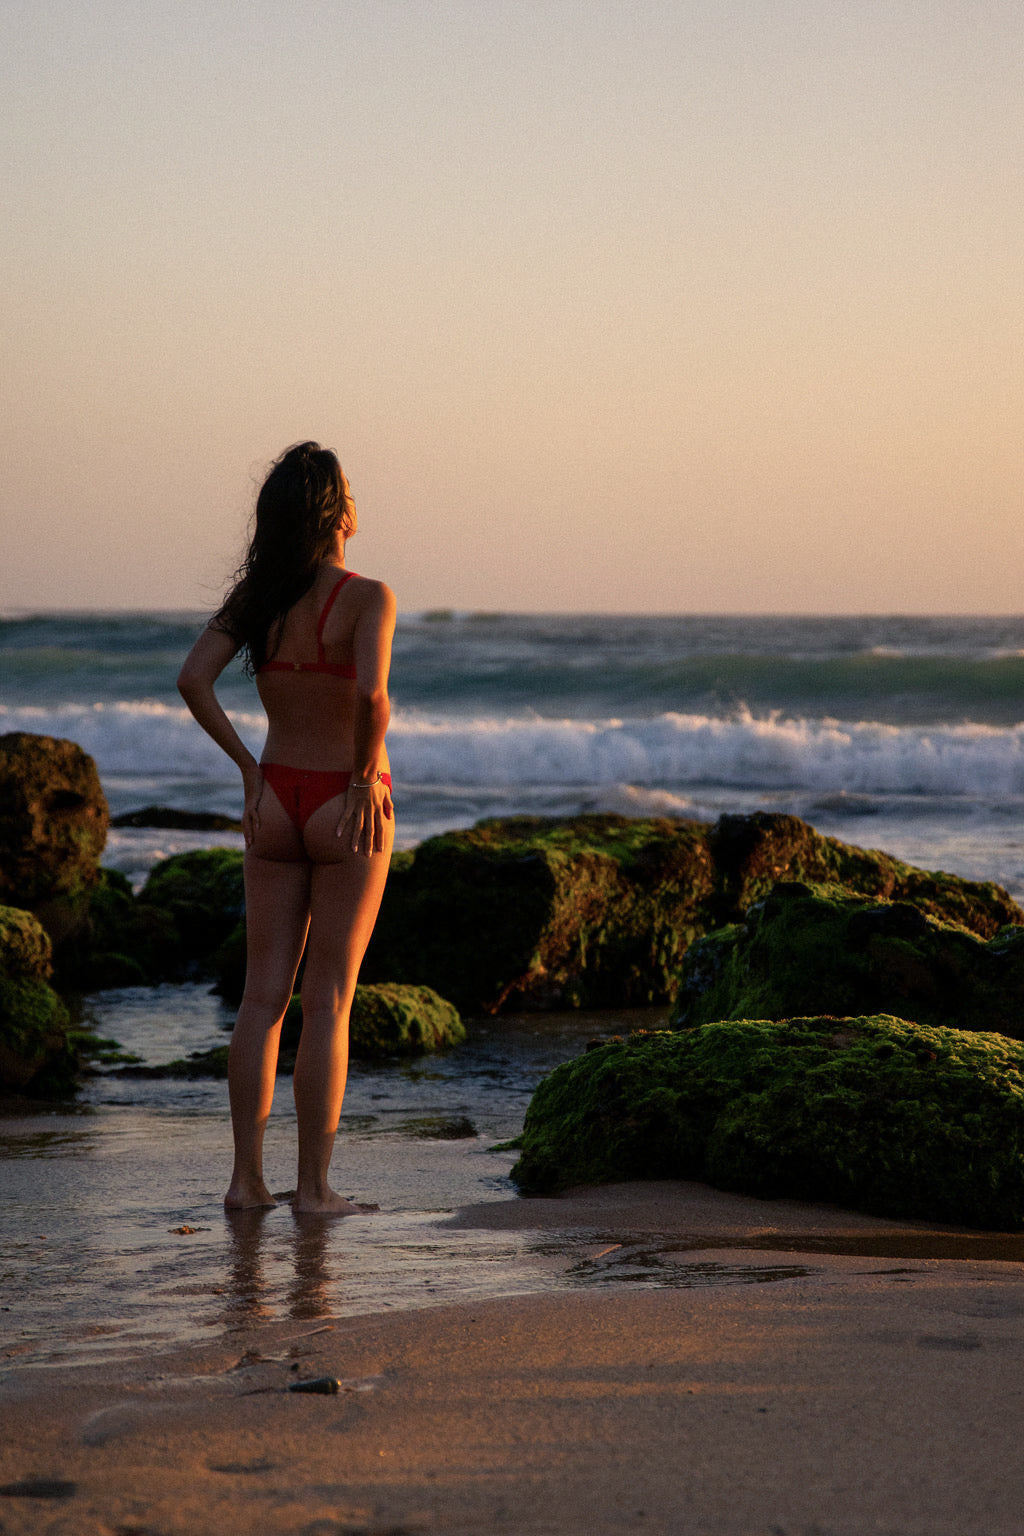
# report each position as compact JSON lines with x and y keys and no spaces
{"x":368,"y":802}
{"x":200,"y":670}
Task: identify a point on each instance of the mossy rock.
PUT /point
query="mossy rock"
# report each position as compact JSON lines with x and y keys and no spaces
{"x":387,"y":1020}
{"x":36,"y":1054}
{"x":532,"y":912}
{"x":126,"y":942}
{"x":25,"y":948}
{"x":53,"y":819}
{"x":873,"y":1113}
{"x":203,"y":894}
{"x":598,"y":911}
{"x":754,"y":853}
{"x":811,"y":949}
{"x":393,"y":1020}
{"x":53,"y":826}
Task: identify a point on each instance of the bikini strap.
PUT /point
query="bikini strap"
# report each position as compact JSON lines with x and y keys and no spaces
{"x":325,"y":611}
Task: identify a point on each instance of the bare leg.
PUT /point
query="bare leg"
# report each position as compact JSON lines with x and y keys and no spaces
{"x":277,"y":916}
{"x":345,"y":896}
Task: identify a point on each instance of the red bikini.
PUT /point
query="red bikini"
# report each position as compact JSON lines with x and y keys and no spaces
{"x":302,"y":791}
{"x":332,"y":668}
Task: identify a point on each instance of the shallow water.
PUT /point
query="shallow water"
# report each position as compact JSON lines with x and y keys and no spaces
{"x":114,"y":1236}
{"x":92,"y":1259}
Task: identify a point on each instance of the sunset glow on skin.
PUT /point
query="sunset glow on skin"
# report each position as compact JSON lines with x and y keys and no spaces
{"x":661,"y":307}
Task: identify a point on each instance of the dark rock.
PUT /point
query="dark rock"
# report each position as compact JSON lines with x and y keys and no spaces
{"x":124,"y":943}
{"x":203,"y":894}
{"x":597,"y":911}
{"x":532,"y":913}
{"x":53,"y":826}
{"x":811,"y":949}
{"x":169,"y":932}
{"x":754,"y":853}
{"x":182,"y":821}
{"x":37,"y":1053}
{"x":873,"y":1113}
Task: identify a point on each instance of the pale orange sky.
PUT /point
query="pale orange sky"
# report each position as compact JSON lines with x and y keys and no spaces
{"x":675,"y":305}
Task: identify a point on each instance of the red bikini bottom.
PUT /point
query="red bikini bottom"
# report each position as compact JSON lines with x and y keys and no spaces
{"x":302,"y":791}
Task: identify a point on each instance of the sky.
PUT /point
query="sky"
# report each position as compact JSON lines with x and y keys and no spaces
{"x":606,"y":305}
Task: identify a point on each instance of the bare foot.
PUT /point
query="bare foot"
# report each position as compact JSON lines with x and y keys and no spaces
{"x":244,"y":1197}
{"x":329,"y":1204}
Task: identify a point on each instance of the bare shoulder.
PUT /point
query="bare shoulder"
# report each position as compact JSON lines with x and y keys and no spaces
{"x":374,"y":597}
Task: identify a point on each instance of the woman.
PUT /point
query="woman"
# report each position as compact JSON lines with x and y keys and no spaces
{"x":318,"y":819}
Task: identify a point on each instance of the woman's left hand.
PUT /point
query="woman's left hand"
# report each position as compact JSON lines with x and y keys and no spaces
{"x":366,"y":810}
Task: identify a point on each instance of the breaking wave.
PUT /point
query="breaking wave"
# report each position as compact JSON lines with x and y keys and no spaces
{"x":668,"y":752}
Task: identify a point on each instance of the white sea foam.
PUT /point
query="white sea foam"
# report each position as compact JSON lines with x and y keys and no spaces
{"x":136,"y":737}
{"x":740,"y":751}
{"x":668,"y":752}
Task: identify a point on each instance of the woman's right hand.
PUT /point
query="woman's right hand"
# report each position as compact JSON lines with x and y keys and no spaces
{"x":252,"y":781}
{"x":362,"y":821}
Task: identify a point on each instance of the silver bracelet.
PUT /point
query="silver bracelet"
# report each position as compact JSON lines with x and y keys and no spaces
{"x":357,"y":784}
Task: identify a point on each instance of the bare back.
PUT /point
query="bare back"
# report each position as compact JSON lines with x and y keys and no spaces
{"x":311,"y":712}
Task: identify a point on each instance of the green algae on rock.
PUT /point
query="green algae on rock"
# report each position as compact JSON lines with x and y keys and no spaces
{"x":753,"y":853}
{"x":597,"y":911}
{"x":190,"y":903}
{"x":388,"y":1020}
{"x":25,"y":947}
{"x":810,"y":949}
{"x":126,"y":942}
{"x":36,"y":1053}
{"x":203,"y":893}
{"x":532,"y":912}
{"x":536,"y":913}
{"x":53,"y":827}
{"x":873,"y":1113}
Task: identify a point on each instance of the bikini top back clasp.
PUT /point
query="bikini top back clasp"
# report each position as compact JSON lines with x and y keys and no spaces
{"x":331,"y":668}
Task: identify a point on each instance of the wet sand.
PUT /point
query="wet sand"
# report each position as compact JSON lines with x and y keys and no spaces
{"x":715,"y":1369}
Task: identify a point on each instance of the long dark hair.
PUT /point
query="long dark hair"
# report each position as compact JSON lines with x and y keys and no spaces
{"x":301,"y":505}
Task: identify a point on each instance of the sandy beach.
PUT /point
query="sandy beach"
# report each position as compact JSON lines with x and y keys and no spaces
{"x":511,"y":634}
{"x":721,"y":1372}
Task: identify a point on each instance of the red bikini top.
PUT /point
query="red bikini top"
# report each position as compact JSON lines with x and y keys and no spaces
{"x":332,"y":668}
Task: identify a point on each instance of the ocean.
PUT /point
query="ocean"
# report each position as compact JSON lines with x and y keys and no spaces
{"x":904,"y":734}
